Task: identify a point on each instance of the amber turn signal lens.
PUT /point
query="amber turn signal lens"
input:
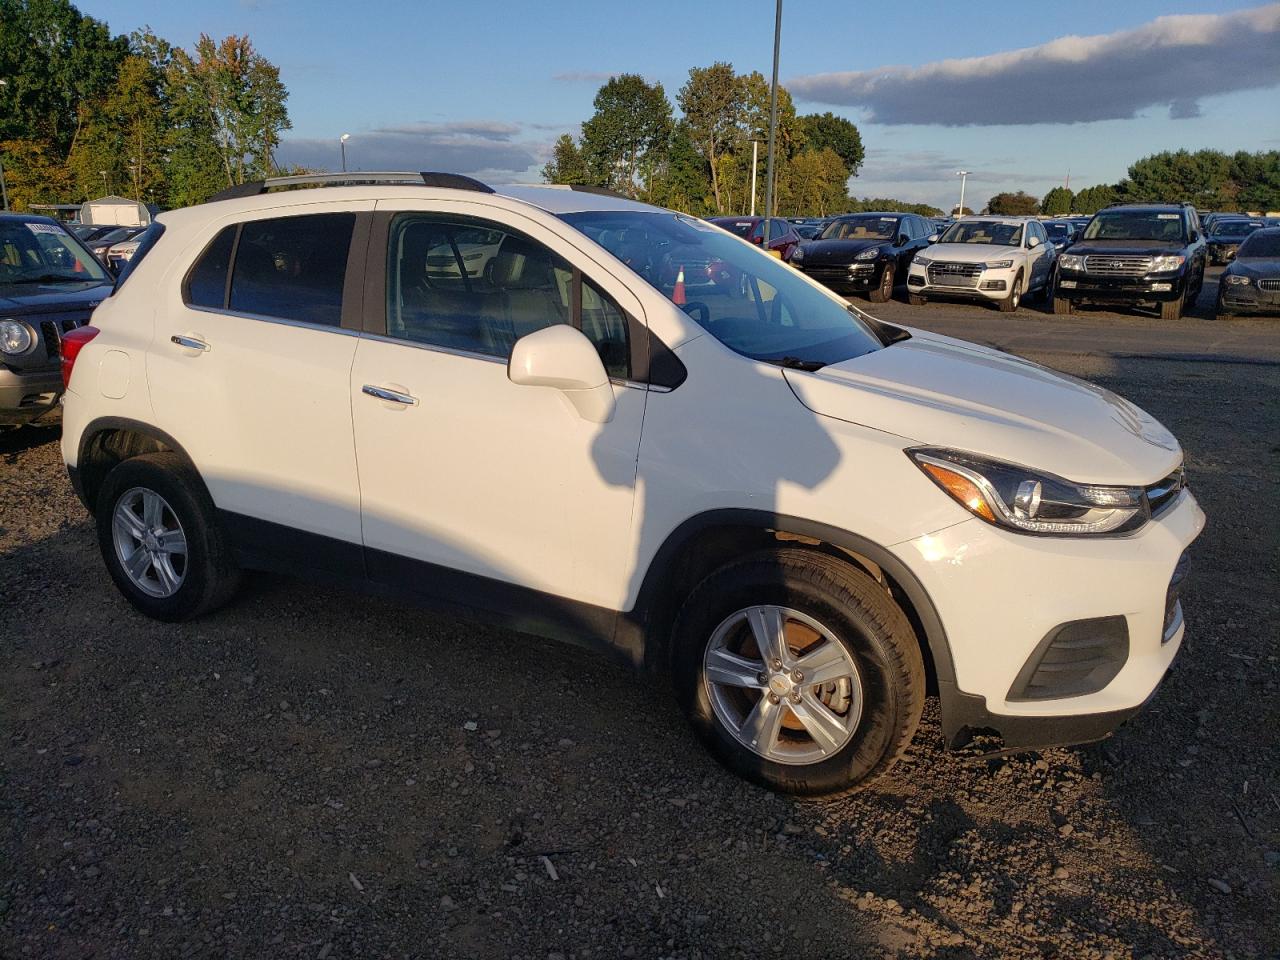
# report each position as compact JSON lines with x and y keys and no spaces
{"x":963,"y":489}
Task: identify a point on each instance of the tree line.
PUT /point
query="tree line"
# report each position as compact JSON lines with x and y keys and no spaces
{"x":702,"y":161}
{"x":84,"y":113}
{"x":1210,"y":179}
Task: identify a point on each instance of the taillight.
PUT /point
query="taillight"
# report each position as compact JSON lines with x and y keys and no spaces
{"x":73,"y":341}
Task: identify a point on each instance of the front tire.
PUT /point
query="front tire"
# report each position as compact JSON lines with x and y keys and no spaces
{"x":1063,"y":307}
{"x":884,"y":292}
{"x":160,"y":539}
{"x":1172,"y":309}
{"x":1010,"y":303}
{"x":799,"y":672}
{"x":916,"y":300}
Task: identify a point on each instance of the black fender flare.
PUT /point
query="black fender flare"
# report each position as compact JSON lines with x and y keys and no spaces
{"x":103,"y":424}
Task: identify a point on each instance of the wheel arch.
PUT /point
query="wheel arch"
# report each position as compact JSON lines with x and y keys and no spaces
{"x":708,"y":540}
{"x":108,"y":441}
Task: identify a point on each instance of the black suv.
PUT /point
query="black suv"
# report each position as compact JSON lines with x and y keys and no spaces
{"x":1133,"y":253}
{"x":865,"y":252}
{"x":49,"y":284}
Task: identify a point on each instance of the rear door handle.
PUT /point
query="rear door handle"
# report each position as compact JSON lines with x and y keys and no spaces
{"x":391,"y":396}
{"x":189,"y":343}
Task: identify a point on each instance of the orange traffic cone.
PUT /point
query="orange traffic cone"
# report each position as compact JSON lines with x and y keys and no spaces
{"x":677,"y":295}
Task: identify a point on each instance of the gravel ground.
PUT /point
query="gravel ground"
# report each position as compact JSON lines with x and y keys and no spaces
{"x":315,"y":773}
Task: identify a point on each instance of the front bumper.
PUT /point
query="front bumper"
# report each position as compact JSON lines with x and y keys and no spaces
{"x":986,"y":284}
{"x":1153,"y":288}
{"x":28,"y":395}
{"x":1000,"y":593}
{"x":1239,"y":298}
{"x":858,"y":277}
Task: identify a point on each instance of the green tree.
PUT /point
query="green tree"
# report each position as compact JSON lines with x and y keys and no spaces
{"x":627,"y":135}
{"x":1013,"y":204}
{"x":567,"y":164}
{"x":242,"y":98}
{"x":1057,"y":201}
{"x":124,"y":136}
{"x":882,"y":204}
{"x":815,"y":184}
{"x":712,"y":103}
{"x":818,"y":130}
{"x":682,"y":181}
{"x":1202,"y":178}
{"x":1256,"y":177}
{"x":1093,"y":199}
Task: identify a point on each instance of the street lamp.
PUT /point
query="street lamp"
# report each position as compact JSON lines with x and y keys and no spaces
{"x":342,"y":143}
{"x":963,"y":175}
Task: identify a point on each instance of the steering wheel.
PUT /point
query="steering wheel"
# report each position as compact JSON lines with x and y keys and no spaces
{"x":698,"y":310}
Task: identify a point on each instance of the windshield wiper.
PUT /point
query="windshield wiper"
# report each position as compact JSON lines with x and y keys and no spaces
{"x":795,"y":363}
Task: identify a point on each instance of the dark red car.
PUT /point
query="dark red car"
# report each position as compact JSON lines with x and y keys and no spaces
{"x":782,"y":235}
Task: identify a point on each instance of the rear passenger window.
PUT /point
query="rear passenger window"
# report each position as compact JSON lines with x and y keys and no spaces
{"x":293,"y":267}
{"x":475,"y":288}
{"x":207,"y":281}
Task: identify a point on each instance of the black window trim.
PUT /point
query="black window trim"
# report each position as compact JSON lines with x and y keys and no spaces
{"x":646,"y":350}
{"x":352,"y":287}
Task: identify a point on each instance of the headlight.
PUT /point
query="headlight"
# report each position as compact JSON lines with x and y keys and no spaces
{"x":922,"y":260}
{"x":998,"y":265}
{"x":869,"y":254}
{"x":15,"y":337}
{"x":797,"y":255}
{"x":1167,"y":262}
{"x":1071,"y":261}
{"x":1028,"y":501}
{"x":1235,"y":280}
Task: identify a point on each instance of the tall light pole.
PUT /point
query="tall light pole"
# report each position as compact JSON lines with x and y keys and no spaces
{"x":773,"y":124}
{"x":342,"y":142}
{"x":963,"y":175}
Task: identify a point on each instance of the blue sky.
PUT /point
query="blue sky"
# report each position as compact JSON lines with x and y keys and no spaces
{"x":485,"y":88}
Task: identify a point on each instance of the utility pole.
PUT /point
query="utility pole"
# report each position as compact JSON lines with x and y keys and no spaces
{"x":755,"y":162}
{"x":773,"y":123}
{"x":963,"y":175}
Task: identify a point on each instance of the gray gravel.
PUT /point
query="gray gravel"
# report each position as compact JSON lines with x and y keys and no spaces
{"x":316,"y":773}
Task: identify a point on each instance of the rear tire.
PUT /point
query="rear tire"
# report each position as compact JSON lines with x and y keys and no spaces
{"x":916,"y":300}
{"x":154,"y":513}
{"x":872,"y":638}
{"x":1010,"y":303}
{"x":884,"y":292}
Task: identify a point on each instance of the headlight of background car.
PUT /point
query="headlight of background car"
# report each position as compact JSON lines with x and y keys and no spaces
{"x":1167,"y":262}
{"x":15,"y":337}
{"x":922,"y":260}
{"x":797,"y":255}
{"x":869,"y":254}
{"x":1029,"y":501}
{"x":1235,"y":280}
{"x":1071,"y":261}
{"x":998,"y":264}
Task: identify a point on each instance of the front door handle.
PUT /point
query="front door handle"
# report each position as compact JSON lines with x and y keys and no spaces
{"x":391,"y":396}
{"x":189,"y":343}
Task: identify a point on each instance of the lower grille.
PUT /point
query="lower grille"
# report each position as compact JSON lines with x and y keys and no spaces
{"x":828,"y":273}
{"x":1172,"y":599}
{"x":944,"y":274}
{"x":1121,"y":265}
{"x":1074,"y":659}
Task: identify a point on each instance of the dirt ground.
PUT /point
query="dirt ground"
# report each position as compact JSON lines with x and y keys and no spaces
{"x":315,"y":773}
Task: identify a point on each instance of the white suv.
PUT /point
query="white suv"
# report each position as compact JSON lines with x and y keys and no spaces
{"x":985,"y":258}
{"x":507,"y":402}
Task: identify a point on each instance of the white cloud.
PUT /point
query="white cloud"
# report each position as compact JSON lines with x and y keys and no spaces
{"x":1172,"y":61}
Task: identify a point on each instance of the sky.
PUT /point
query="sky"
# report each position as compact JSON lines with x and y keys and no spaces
{"x":1023,"y":97}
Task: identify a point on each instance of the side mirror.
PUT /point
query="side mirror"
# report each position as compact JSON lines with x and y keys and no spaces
{"x":933,"y":237}
{"x":561,"y":357}
{"x":1033,"y":242}
{"x":758,"y":240}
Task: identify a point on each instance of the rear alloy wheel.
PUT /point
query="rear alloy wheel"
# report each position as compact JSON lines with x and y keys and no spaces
{"x":799,"y":672}
{"x":1010,"y":303}
{"x":884,"y":292}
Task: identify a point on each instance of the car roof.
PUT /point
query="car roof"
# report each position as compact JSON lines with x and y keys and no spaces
{"x":873,"y":213}
{"x":989,"y":217}
{"x":28,"y":218}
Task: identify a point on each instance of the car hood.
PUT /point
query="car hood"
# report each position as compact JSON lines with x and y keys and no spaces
{"x":969,"y":252}
{"x":30,"y":298}
{"x":838,"y":251}
{"x":1094,"y":248}
{"x":939,"y":391}
{"x":1255,"y":266}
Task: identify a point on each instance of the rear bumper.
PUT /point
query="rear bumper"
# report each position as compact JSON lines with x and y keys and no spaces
{"x":25,"y":397}
{"x":1082,"y":286}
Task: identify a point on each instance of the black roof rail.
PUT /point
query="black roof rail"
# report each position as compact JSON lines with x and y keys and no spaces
{"x":426,"y":178}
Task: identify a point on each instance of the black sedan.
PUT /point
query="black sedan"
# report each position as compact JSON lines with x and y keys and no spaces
{"x":864,"y":252}
{"x":1252,"y":283}
{"x":1226,"y":235}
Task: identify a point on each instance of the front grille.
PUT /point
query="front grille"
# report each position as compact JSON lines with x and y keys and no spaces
{"x":52,"y":330}
{"x":1165,"y":491}
{"x":1121,"y":265}
{"x":1269,"y":284}
{"x":944,"y":274}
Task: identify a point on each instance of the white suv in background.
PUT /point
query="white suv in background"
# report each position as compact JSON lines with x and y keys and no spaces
{"x":496,"y":402}
{"x":985,"y":258}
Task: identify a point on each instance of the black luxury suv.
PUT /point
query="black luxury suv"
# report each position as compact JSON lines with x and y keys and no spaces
{"x":864,"y":252}
{"x":1135,"y":253}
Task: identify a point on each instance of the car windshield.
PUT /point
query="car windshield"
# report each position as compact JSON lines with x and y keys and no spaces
{"x":985,"y":231}
{"x":1264,"y":243}
{"x":1136,"y":225}
{"x":862,"y":228}
{"x":751,"y":302}
{"x":32,"y":252}
{"x":739,"y":228}
{"x":1235,"y":228}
